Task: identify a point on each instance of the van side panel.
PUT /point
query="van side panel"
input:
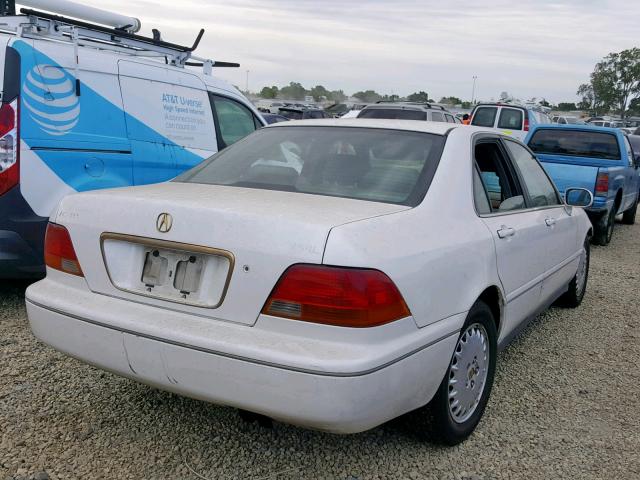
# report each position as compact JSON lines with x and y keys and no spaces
{"x":168,"y":117}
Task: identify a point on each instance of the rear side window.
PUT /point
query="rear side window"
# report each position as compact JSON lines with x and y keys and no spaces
{"x":393,"y":114}
{"x":484,"y":116}
{"x":541,"y":191}
{"x":576,"y":143}
{"x":510,"y":118}
{"x":437,"y":117}
{"x":234,"y":120}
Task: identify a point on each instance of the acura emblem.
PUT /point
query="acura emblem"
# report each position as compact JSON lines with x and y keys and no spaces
{"x":164,"y":222}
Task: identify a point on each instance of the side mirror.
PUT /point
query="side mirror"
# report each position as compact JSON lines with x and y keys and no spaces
{"x":578,"y":197}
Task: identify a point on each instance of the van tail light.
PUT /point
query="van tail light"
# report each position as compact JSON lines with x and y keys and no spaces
{"x":346,"y":297}
{"x":526,"y":123}
{"x":602,"y":183}
{"x":9,"y":146}
{"x":59,"y":252}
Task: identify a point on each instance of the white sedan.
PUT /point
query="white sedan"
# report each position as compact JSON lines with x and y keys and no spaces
{"x":333,"y":274}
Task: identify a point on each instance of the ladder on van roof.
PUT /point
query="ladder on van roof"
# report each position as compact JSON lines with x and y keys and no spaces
{"x":47,"y":26}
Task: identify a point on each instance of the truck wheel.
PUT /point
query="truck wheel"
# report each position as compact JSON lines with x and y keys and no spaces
{"x":572,"y":298}
{"x":629,"y":217}
{"x":464,"y":392}
{"x":603,"y":233}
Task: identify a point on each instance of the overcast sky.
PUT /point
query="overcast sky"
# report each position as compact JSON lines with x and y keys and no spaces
{"x":529,"y":48}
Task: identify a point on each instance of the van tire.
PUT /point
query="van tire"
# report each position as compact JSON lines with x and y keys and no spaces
{"x":447,"y":430}
{"x":572,"y":298}
{"x":603,"y":233}
{"x":629,"y":217}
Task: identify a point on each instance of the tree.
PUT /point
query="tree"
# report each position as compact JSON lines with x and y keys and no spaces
{"x":588,"y":95}
{"x":337,"y":96}
{"x":634,"y":107}
{"x":616,"y":79}
{"x":318,"y":92}
{"x":390,"y":98}
{"x":450,"y":100}
{"x":567,"y":106}
{"x":269,"y":92}
{"x":466,"y":105}
{"x":418,"y":97}
{"x":293,"y":91}
{"x":367,"y":96}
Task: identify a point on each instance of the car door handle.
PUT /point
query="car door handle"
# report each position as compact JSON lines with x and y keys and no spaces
{"x":550,"y":221}
{"x":505,"y":232}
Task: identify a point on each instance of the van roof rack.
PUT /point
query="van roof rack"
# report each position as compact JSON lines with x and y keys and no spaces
{"x":58,"y":28}
{"x":422,"y":104}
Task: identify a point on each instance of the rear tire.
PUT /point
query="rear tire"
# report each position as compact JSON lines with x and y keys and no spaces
{"x":572,"y":298}
{"x":468,"y":379}
{"x":629,"y":217}
{"x":604,"y":233}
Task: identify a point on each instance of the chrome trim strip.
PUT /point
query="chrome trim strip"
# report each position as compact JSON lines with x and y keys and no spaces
{"x":169,"y":245}
{"x":246,"y":359}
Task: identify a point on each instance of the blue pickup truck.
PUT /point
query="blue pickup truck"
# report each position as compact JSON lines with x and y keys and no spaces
{"x":596,"y":158}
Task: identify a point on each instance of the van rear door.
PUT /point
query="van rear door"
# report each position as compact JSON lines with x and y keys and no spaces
{"x":169,"y":120}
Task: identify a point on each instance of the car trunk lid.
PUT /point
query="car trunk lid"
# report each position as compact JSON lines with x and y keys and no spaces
{"x":241,"y":238}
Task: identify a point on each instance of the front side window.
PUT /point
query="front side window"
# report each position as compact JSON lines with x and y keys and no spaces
{"x":450,"y":118}
{"x":497,"y":177}
{"x":510,"y":118}
{"x":576,"y":143}
{"x":629,"y":151}
{"x":540,"y":189}
{"x":484,"y":116}
{"x":234,"y":120}
{"x":381,"y":165}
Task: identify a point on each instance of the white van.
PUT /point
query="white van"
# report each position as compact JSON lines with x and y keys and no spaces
{"x":88,"y":106}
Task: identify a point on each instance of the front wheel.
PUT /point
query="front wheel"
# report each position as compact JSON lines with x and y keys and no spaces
{"x":572,"y":298}
{"x":464,"y":392}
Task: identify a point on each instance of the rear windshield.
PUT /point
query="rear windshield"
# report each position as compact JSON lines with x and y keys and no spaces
{"x":291,"y":114}
{"x":393,"y":114}
{"x":575,"y":143}
{"x":390,"y":166}
{"x":510,"y":118}
{"x":484,"y":116}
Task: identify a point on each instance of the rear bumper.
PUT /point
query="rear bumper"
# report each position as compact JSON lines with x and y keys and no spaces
{"x":21,"y":238}
{"x":308,"y":389}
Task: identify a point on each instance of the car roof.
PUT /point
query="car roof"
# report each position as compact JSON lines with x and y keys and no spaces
{"x":573,"y":126}
{"x":438,"y":128}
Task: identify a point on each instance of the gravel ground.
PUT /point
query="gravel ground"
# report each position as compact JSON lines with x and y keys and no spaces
{"x":564,"y":405}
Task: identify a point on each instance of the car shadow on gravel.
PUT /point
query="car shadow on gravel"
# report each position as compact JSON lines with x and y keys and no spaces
{"x":14,"y":287}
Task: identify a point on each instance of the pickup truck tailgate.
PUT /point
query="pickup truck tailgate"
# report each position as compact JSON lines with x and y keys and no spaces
{"x":565,"y":175}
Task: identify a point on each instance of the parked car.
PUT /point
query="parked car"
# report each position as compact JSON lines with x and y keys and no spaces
{"x":567,"y":120}
{"x":599,"y":159}
{"x":273,"y":118}
{"x":113,"y":119}
{"x":376,"y":278}
{"x":511,"y":119}
{"x":294,"y":113}
{"x":407,"y":111}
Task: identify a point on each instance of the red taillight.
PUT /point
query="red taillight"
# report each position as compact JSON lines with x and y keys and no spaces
{"x":58,"y":250}
{"x":347,"y":297}
{"x":602,"y":183}
{"x":9,"y":146}
{"x":526,"y":125}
